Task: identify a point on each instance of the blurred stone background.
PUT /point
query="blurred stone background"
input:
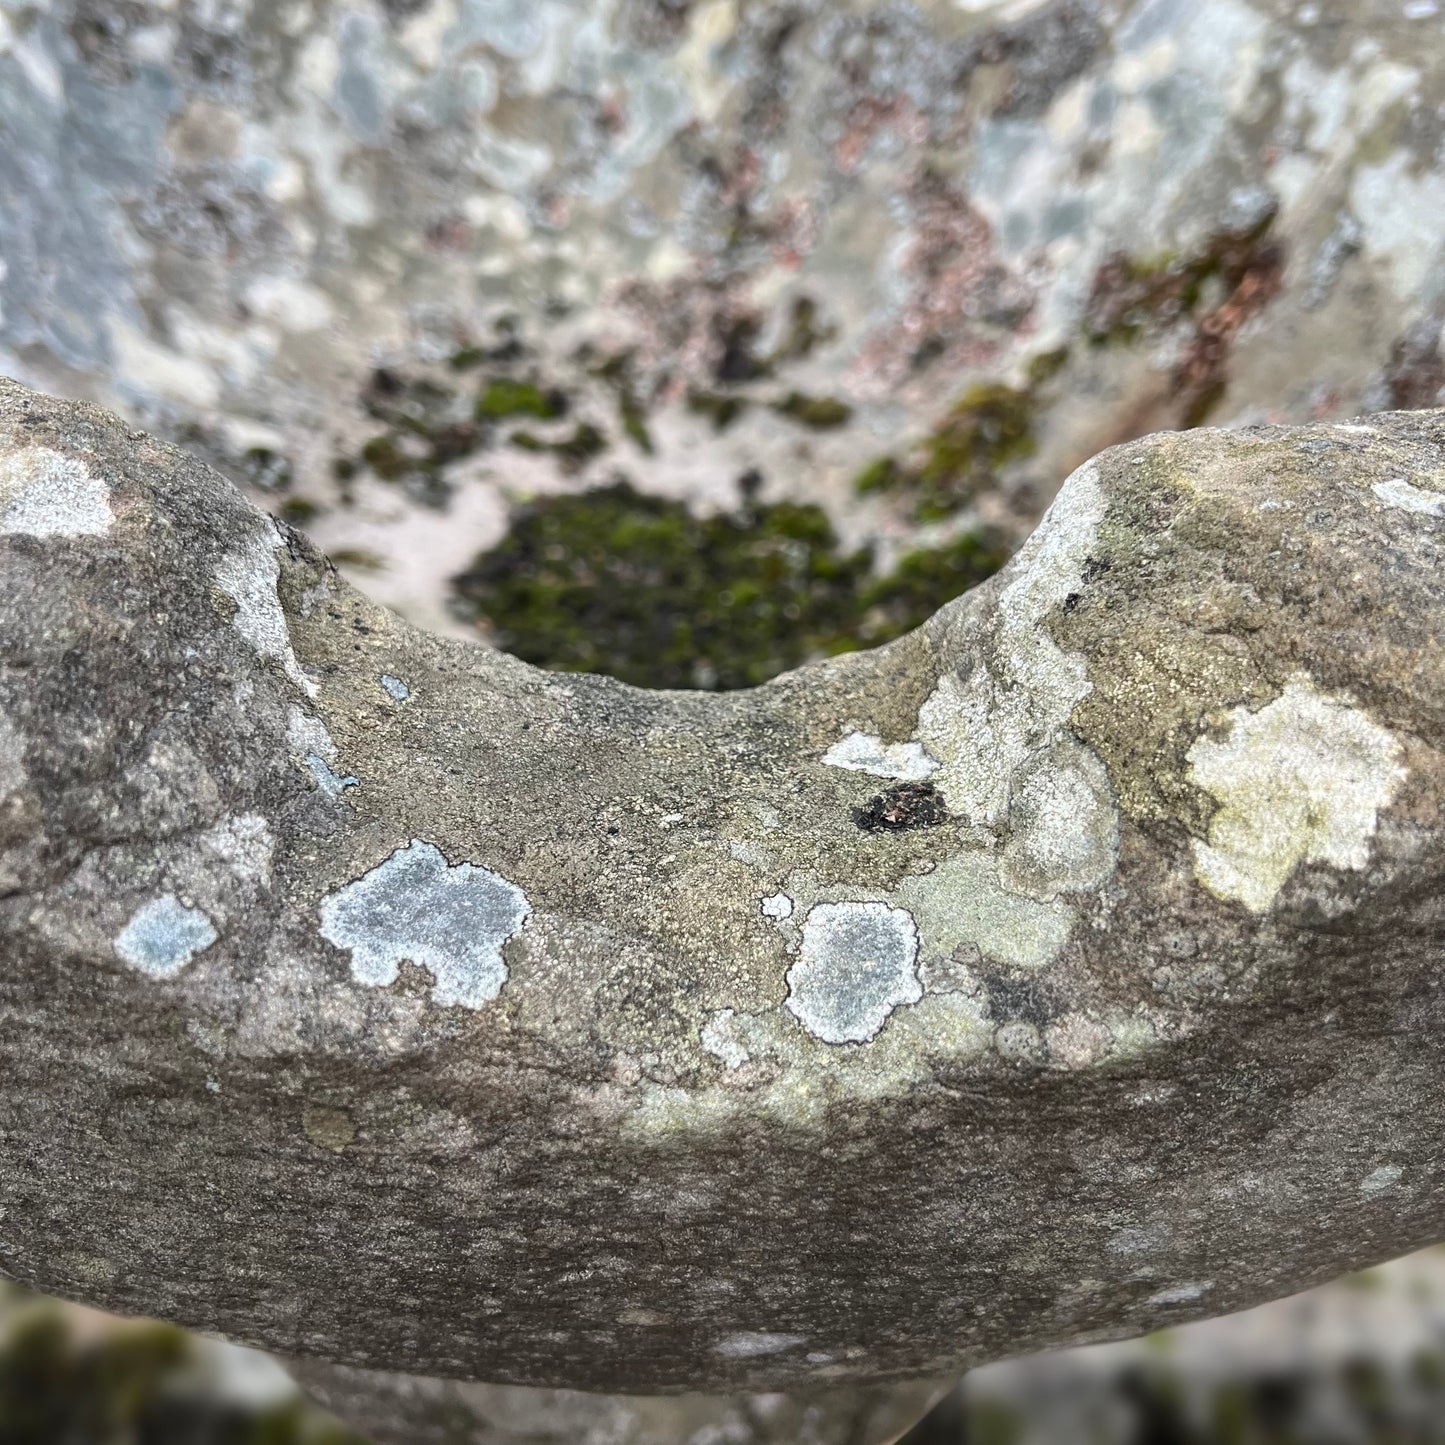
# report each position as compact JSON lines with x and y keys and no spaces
{"x":1357,"y":1362}
{"x":687,"y":339}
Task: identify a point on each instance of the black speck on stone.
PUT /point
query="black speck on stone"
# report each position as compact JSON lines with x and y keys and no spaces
{"x":905,"y":805}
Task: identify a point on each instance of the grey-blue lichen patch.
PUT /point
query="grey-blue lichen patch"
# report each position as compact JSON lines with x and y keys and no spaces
{"x":249,"y":576}
{"x":310,"y":740}
{"x":163,"y":936}
{"x":45,"y":494}
{"x":856,"y":965}
{"x":1303,"y":780}
{"x":395,"y":688}
{"x":1381,"y":1178}
{"x":414,"y":906}
{"x":332,"y":783}
{"x":778,"y":907}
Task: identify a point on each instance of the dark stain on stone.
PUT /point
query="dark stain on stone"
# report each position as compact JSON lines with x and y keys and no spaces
{"x":903,"y":806}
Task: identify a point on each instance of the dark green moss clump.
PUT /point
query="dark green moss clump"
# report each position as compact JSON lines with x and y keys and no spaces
{"x":131,"y":1385}
{"x":505,"y":398}
{"x":821,"y":413}
{"x":989,"y":427}
{"x":574,"y":452}
{"x":636,"y":586}
{"x":722,"y":408}
{"x":266,"y":470}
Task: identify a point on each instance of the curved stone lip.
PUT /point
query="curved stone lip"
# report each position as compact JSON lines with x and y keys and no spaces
{"x":724,"y":1041}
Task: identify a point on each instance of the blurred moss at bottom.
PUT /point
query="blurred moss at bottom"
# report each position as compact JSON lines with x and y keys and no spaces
{"x":637,"y":587}
{"x":69,"y":1377}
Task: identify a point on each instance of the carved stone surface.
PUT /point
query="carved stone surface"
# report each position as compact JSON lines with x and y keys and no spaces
{"x":371,"y":995}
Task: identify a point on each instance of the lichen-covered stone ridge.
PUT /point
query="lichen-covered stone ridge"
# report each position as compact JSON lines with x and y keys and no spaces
{"x":538,"y":1026}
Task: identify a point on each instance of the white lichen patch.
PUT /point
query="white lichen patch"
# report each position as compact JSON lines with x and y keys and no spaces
{"x":395,"y":688}
{"x":249,"y":576}
{"x":163,"y":936}
{"x":1139,"y":1239}
{"x":755,"y":1344}
{"x":1397,"y":492}
{"x":1063,"y":824}
{"x":856,"y":965}
{"x":867,"y":753}
{"x":1017,"y":699}
{"x":1302,"y":780}
{"x":45,"y":494}
{"x":1181,"y":1294}
{"x":962,"y":902}
{"x":450,"y":920}
{"x":1381,"y":1178}
{"x":778,"y":907}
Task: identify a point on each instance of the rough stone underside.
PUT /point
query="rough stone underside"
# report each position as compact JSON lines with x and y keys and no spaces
{"x":562,"y":1033}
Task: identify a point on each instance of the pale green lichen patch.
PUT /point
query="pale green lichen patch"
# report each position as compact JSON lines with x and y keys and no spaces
{"x":1063,"y":822}
{"x":721,"y":1037}
{"x":249,"y":576}
{"x":1302,"y":780}
{"x":1397,"y":492}
{"x":416,"y":907}
{"x":963,"y":902}
{"x":163,"y":936}
{"x":983,"y":725}
{"x":856,"y":965}
{"x":45,"y":494}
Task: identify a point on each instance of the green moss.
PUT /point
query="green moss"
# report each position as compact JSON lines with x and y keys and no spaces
{"x":991,"y":1422}
{"x":1046,"y":366}
{"x":503,"y":398}
{"x":585,"y":444}
{"x":804,"y":332}
{"x":636,"y":586}
{"x":358,"y":559}
{"x":266,"y":470}
{"x":880,"y":476}
{"x":386,"y":459}
{"x":132,"y":1383}
{"x":990,"y":427}
{"x":722,"y":408}
{"x":922,"y":582}
{"x":634,"y":426}
{"x":821,"y":413}
{"x":298,"y":511}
